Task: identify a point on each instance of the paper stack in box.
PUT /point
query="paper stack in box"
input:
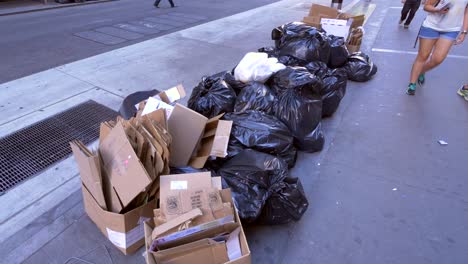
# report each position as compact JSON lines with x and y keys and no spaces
{"x":196,"y":223}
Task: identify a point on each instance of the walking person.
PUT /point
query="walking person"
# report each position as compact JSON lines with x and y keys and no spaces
{"x":156,"y":3}
{"x":339,"y":2}
{"x":445,"y":25}
{"x":463,"y":91}
{"x":410,"y":8}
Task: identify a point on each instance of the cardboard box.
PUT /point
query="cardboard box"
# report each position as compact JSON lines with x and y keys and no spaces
{"x":125,"y":231}
{"x":195,"y":138}
{"x":122,"y":166}
{"x":172,"y":202}
{"x":194,"y":255}
{"x":317,"y":12}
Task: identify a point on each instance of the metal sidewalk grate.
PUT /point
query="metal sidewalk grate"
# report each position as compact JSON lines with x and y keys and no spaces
{"x":34,"y":148}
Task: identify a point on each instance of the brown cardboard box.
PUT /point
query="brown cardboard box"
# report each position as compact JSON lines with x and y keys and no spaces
{"x":172,"y":185}
{"x":214,"y":142}
{"x":125,"y":231}
{"x":122,"y":165}
{"x":317,"y":12}
{"x":196,"y":137}
{"x":244,"y":259}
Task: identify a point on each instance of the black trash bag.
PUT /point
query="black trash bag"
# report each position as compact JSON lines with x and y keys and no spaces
{"x":300,"y":106}
{"x":334,"y":89}
{"x":261,"y":132}
{"x":291,"y":61}
{"x":360,"y":67}
{"x":127,"y":109}
{"x":318,"y":68}
{"x":301,"y":41}
{"x":228,"y":76}
{"x":255,"y":96}
{"x":253,"y":176}
{"x":338,"y":52}
{"x":295,"y":78}
{"x":290,"y":203}
{"x":212,"y":97}
{"x":271,"y":51}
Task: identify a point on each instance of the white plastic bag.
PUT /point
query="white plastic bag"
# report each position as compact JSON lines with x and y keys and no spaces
{"x":257,"y":67}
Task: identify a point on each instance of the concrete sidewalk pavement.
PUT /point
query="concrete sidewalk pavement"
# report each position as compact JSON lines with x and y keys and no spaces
{"x":382,"y":190}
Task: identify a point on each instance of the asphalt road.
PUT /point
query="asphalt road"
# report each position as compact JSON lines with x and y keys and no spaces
{"x":34,"y":42}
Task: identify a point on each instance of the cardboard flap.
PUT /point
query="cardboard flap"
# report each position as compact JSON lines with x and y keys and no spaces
{"x":158,"y":116}
{"x":148,"y":230}
{"x":186,"y":128}
{"x":214,"y":143}
{"x":161,"y":229}
{"x":206,"y":251}
{"x":207,"y":230}
{"x":221,"y":139}
{"x":125,"y":171}
{"x":90,"y":171}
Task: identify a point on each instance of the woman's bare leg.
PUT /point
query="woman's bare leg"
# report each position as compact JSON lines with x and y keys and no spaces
{"x":425,"y":49}
{"x":441,"y":50}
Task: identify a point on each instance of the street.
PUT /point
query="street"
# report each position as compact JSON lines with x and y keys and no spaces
{"x":38,"y":41}
{"x":383,"y":189}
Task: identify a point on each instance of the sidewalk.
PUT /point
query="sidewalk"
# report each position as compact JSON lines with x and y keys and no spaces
{"x":382,"y":191}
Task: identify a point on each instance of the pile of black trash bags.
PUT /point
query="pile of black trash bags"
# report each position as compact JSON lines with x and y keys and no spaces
{"x":275,"y":119}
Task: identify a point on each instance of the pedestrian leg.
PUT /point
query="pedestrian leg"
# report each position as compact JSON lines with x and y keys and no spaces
{"x":156,"y":3}
{"x":172,"y":3}
{"x":412,"y":12}
{"x":405,"y":11}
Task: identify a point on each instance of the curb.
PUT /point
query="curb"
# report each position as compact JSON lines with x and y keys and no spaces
{"x":55,"y":7}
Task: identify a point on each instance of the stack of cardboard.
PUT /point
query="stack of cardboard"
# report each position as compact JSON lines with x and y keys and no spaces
{"x":120,"y":180}
{"x":197,"y":223}
{"x":333,"y":21}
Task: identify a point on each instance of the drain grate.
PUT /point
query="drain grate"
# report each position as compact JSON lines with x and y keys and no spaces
{"x":32,"y":149}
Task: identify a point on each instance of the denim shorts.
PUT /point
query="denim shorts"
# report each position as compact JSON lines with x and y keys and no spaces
{"x":429,"y":33}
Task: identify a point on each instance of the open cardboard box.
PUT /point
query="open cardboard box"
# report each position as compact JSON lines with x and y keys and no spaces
{"x":196,"y":254}
{"x":317,"y":12}
{"x":125,"y":231}
{"x":195,"y":138}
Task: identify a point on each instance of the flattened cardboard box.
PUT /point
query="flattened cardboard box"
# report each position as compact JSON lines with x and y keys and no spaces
{"x":125,"y":231}
{"x":122,"y":165}
{"x":196,"y":138}
{"x":244,"y":259}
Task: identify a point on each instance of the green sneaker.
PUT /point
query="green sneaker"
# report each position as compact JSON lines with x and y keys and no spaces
{"x":411,"y":89}
{"x":421,"y":78}
{"x":463,"y":92}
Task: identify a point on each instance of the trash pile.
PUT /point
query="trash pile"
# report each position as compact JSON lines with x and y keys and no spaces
{"x":276,"y":103}
{"x":190,"y":175}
